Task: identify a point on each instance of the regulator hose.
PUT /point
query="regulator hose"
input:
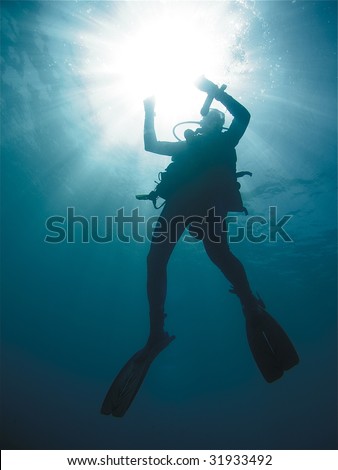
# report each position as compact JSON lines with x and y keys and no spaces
{"x":193,"y":132}
{"x":180,"y":124}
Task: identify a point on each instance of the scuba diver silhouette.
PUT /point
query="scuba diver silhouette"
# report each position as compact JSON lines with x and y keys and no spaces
{"x":200,"y":187}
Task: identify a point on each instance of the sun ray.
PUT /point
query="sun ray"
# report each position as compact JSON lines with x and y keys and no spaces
{"x":135,"y":50}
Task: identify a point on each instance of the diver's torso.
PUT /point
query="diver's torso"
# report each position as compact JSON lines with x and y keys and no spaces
{"x":207,"y":166}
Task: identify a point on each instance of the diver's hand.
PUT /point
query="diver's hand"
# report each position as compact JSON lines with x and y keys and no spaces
{"x":149,"y":105}
{"x":207,"y":86}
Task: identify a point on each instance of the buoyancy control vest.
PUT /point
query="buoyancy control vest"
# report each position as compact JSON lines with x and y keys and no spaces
{"x":202,"y":153}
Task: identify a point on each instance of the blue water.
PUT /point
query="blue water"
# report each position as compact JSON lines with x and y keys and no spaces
{"x":72,"y":314}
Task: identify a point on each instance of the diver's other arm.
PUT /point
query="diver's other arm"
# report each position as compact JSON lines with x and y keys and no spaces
{"x":150,"y":139}
{"x":151,"y":144}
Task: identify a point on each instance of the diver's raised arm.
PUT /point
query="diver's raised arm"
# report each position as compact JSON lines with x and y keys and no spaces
{"x":151,"y":144}
{"x":234,"y":107}
{"x":237,"y":110}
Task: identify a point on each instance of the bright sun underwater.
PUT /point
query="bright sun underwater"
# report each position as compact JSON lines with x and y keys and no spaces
{"x":144,"y":49}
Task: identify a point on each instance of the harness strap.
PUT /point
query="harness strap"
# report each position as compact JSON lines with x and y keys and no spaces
{"x":152,"y":196}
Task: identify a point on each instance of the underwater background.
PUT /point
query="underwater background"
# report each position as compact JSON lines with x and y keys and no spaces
{"x":73,"y":313}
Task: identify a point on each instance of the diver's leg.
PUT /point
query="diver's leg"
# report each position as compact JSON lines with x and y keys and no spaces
{"x":128,"y":381}
{"x":219,"y":252}
{"x":271,"y":348}
{"x":165,"y":237}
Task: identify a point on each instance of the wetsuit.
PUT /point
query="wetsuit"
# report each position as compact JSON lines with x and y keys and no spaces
{"x":209,"y":182}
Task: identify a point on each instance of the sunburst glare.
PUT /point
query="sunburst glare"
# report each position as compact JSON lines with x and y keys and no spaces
{"x":145,"y":49}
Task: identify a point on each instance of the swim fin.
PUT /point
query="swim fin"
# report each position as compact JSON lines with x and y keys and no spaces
{"x":130,"y":378}
{"x":271,"y":347}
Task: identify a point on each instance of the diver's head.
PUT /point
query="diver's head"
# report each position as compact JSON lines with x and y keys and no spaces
{"x":213,"y":121}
